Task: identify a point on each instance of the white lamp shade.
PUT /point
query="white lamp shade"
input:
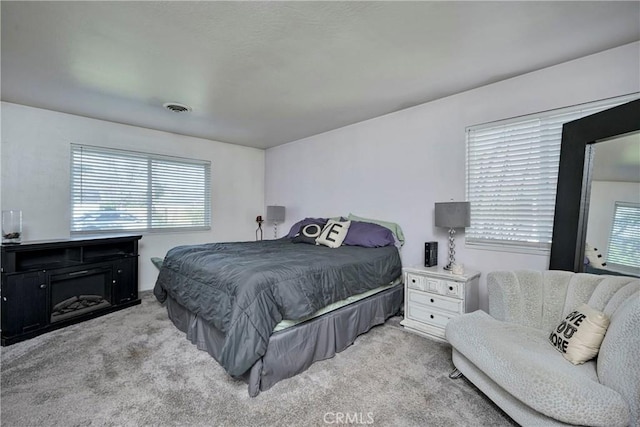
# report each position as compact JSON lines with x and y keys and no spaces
{"x":275,"y":213}
{"x":453,"y":214}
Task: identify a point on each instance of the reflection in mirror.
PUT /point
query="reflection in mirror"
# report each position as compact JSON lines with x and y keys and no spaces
{"x":613,"y":227}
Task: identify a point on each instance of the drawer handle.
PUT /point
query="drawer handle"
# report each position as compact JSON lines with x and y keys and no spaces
{"x":450,"y":288}
{"x":432,"y":300}
{"x":431,"y":315}
{"x":413,"y":280}
{"x":75,"y":273}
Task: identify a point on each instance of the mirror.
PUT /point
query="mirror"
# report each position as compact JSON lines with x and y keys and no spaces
{"x":579,"y":139}
{"x":612,"y":242}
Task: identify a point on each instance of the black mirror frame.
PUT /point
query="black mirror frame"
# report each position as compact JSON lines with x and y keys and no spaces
{"x":567,"y":243}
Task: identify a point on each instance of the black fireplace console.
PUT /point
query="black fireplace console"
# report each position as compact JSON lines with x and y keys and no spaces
{"x":47,"y":285}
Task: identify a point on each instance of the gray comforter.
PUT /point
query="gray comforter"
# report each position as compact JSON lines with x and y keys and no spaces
{"x":244,"y":289}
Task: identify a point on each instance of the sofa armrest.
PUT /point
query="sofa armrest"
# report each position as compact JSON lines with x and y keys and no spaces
{"x":617,"y":363}
{"x":505,"y":302}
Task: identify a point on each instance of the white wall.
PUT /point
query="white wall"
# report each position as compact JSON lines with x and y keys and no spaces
{"x":35,"y":159}
{"x":397,"y":166}
{"x":604,"y":194}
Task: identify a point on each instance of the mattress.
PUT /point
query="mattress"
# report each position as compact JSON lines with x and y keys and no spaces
{"x":336,"y":305}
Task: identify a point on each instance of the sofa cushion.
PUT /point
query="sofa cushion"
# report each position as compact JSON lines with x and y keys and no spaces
{"x":521,"y":361}
{"x":529,"y":298}
{"x":621,"y":296}
{"x":581,"y":287}
{"x":607,"y":289}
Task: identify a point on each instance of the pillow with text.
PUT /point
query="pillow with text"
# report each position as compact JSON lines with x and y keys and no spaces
{"x":295,"y":228}
{"x":309,"y":233}
{"x":333,"y":233}
{"x":579,"y":335}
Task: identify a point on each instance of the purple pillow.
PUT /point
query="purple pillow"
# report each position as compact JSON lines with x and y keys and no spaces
{"x":368,"y":235}
{"x":295,"y":228}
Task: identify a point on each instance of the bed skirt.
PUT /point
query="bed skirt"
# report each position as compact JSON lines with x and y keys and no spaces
{"x":292,"y":350}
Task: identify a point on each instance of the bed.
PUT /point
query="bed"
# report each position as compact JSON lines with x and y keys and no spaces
{"x":267,"y":310}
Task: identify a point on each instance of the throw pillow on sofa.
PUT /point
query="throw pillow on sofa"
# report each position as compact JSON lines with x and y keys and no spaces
{"x":579,"y":335}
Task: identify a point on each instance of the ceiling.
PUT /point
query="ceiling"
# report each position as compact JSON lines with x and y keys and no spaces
{"x":262,"y":74}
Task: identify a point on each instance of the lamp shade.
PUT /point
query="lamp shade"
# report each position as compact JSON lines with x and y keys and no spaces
{"x":453,"y":214}
{"x":275,"y":213}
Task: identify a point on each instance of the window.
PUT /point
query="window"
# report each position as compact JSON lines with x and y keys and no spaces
{"x":512,"y":172}
{"x":624,"y":246}
{"x":117,"y":190}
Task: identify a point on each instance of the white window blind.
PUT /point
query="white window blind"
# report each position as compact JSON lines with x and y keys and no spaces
{"x":117,"y":190}
{"x":512,"y":173}
{"x":624,"y":241}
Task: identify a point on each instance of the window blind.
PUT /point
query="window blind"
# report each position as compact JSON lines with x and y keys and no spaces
{"x":512,"y":173}
{"x":624,"y":241}
{"x":118,"y":190}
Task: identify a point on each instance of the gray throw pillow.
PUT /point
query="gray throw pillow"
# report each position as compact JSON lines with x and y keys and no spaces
{"x":309,"y":233}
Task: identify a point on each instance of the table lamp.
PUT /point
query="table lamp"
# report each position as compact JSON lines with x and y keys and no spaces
{"x":452,"y":215}
{"x":275,"y":214}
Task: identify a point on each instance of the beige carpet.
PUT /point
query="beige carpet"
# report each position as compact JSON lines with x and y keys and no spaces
{"x":133,"y":367}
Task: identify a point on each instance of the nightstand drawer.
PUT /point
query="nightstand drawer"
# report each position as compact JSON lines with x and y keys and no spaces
{"x":415,"y":281}
{"x":439,"y":286}
{"x":453,"y":289}
{"x":433,"y":285}
{"x":425,"y":315}
{"x":435,"y":301}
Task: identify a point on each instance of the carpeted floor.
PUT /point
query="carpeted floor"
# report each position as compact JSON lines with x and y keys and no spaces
{"x":133,"y":367}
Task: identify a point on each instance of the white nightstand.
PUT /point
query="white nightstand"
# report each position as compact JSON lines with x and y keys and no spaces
{"x":433,"y":295}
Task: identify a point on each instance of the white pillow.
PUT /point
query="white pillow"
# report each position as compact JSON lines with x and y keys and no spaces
{"x":333,"y":233}
{"x":594,"y":256}
{"x":580,"y":334}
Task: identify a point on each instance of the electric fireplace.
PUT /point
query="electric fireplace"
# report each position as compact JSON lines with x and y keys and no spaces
{"x":80,"y":292}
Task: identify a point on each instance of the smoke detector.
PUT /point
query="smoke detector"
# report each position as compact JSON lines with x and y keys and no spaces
{"x":176,"y":107}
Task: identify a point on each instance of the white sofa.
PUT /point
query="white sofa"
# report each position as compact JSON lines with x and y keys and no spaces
{"x":507,"y":354}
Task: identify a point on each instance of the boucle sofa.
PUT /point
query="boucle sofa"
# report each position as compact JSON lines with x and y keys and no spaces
{"x":507,"y":354}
